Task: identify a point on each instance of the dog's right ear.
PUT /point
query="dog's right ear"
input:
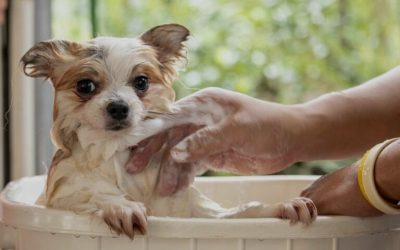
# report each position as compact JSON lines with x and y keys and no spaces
{"x":48,"y":59}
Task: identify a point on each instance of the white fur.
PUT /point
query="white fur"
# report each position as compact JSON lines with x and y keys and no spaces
{"x":119,"y":59}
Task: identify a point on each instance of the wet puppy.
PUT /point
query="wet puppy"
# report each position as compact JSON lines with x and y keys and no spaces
{"x":105,"y":89}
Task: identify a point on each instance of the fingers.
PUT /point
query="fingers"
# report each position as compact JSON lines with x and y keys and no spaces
{"x":168,"y":177}
{"x":205,"y":142}
{"x":235,"y":163}
{"x":142,"y":153}
{"x":192,"y":109}
{"x":150,"y":127}
{"x":175,"y":177}
{"x":205,"y":107}
{"x":186,"y":177}
{"x":238,"y":163}
{"x":210,"y":95}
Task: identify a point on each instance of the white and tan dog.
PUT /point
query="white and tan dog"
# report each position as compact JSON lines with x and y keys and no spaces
{"x":105,"y":89}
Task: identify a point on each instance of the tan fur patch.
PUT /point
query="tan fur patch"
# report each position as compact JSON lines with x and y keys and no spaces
{"x":47,"y":59}
{"x":87,"y":68}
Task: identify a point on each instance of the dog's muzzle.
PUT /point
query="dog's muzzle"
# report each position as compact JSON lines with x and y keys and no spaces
{"x":118,"y":111}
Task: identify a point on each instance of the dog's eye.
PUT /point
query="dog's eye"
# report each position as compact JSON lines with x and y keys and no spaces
{"x":141,"y":83}
{"x":85,"y":87}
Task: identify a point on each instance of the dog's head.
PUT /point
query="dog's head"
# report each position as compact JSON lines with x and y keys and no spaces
{"x":108,"y":85}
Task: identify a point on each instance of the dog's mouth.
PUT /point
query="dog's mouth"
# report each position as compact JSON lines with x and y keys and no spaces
{"x":116,"y":126}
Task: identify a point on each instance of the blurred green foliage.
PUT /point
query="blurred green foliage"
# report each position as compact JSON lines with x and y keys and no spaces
{"x":284,"y":51}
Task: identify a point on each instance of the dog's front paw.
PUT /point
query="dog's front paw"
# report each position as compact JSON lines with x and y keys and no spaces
{"x":126,"y":218}
{"x":299,"y":209}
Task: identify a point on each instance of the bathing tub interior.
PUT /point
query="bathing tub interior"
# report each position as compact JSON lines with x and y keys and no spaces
{"x":25,"y":226}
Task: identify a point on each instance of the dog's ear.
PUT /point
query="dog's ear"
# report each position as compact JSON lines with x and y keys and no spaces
{"x":48,"y":59}
{"x":63,"y":138}
{"x":168,"y":40}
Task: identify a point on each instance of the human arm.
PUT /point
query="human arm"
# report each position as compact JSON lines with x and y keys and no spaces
{"x":345,"y":124}
{"x":338,"y":193}
{"x":267,"y":137}
{"x":226,"y":127}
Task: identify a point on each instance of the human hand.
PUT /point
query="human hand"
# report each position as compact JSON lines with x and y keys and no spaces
{"x":173,"y":175}
{"x":224,"y":130}
{"x":338,"y":194}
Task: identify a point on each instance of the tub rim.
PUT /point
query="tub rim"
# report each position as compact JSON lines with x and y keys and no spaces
{"x":24,"y":216}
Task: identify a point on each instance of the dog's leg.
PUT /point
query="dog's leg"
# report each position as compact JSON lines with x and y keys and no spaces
{"x":121,"y":213}
{"x":296,"y":210}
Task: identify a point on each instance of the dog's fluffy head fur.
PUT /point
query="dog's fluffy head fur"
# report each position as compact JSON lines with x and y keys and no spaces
{"x":88,"y":77}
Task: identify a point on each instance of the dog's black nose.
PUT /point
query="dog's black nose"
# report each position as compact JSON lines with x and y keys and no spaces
{"x":118,"y":110}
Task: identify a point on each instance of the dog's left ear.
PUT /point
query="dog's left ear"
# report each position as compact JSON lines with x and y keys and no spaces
{"x":168,"y":40}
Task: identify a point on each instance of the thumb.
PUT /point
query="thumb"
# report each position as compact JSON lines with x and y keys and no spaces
{"x":204,"y":142}
{"x":143,"y":152}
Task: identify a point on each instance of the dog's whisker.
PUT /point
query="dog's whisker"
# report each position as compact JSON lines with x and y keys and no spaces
{"x":157,"y":112}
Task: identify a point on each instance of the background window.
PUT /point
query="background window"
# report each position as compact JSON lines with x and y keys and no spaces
{"x":283,"y":51}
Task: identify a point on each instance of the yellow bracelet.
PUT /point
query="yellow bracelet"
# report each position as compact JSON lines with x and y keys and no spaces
{"x":366,"y":180}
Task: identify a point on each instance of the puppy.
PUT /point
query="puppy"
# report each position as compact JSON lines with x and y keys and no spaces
{"x":105,"y":89}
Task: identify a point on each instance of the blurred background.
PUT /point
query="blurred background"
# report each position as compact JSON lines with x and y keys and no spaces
{"x":283,"y":51}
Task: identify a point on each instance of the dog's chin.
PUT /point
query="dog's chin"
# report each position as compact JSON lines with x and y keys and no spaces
{"x":118,"y":126}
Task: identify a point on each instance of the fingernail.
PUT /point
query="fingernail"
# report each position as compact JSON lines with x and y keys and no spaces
{"x":133,"y":167}
{"x":179,"y":153}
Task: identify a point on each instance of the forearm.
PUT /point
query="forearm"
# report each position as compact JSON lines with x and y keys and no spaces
{"x":345,"y":124}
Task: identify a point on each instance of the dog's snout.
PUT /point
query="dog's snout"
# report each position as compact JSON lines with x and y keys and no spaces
{"x":118,"y":110}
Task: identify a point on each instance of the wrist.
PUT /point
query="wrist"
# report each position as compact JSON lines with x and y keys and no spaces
{"x":387,"y":172}
{"x":367,"y":181}
{"x":277,"y":134}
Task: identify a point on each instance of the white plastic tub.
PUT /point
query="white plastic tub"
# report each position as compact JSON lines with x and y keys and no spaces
{"x":25,"y":226}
